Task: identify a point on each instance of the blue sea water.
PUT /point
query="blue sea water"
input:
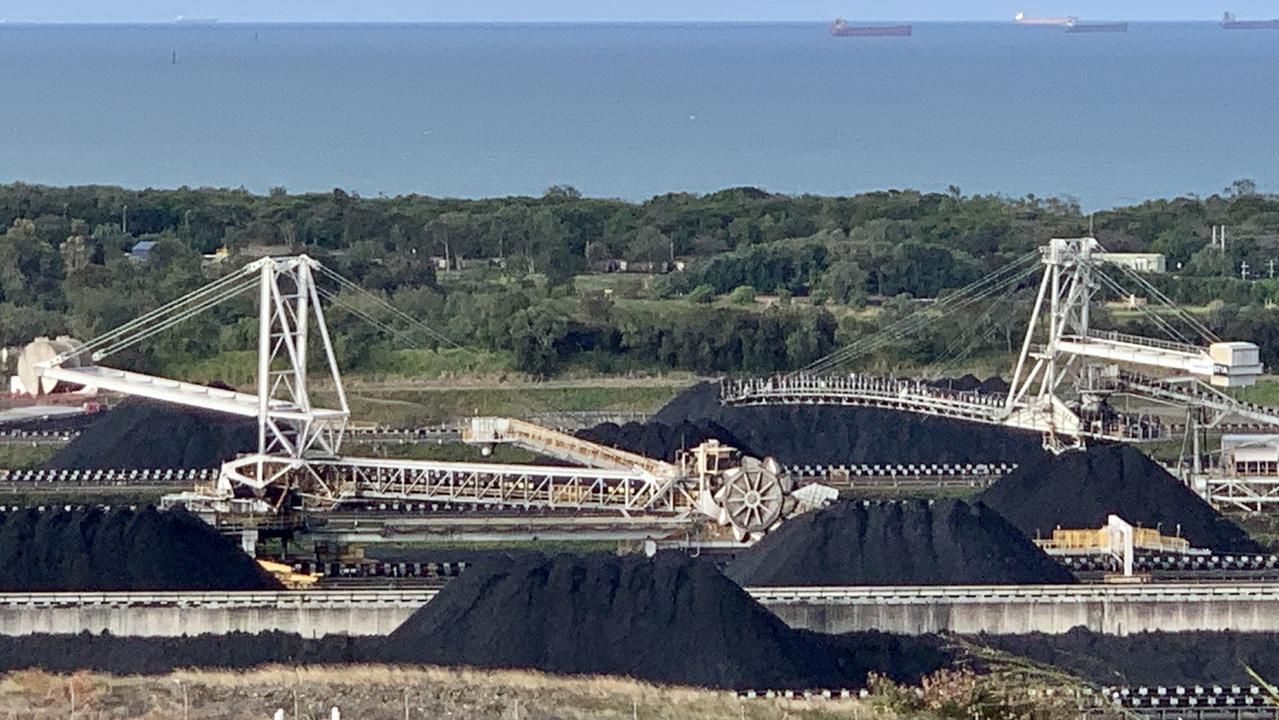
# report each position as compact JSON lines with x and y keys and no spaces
{"x":633,"y":110}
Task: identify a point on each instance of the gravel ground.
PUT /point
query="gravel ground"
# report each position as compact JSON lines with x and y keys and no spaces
{"x":388,"y":693}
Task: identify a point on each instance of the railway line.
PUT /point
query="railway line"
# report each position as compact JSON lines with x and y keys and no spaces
{"x":1156,"y":702}
{"x":831,"y":595}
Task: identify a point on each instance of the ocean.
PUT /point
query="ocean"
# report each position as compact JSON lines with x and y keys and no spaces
{"x":633,"y":110}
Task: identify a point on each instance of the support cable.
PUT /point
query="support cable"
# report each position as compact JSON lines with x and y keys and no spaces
{"x":1159,"y":321}
{"x":1001,"y":281}
{"x":148,"y":319}
{"x":1188,"y":317}
{"x":176,"y":316}
{"x":383,"y":304}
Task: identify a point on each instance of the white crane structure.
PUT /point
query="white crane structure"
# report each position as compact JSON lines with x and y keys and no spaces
{"x":298,"y":455}
{"x":1066,"y":372}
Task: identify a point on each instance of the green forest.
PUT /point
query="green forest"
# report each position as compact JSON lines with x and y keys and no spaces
{"x":757,"y":282}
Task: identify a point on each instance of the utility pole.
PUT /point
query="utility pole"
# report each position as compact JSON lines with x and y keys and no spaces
{"x":1243,"y":269}
{"x":1271,"y":265}
{"x":124,"y":220}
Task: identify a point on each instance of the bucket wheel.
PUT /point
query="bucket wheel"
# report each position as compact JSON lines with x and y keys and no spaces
{"x":753,"y":496}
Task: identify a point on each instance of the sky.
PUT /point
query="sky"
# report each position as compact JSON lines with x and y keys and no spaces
{"x":613,"y":10}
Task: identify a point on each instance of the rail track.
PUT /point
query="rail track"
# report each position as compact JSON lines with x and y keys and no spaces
{"x":832,"y":595}
{"x":1161,"y":702}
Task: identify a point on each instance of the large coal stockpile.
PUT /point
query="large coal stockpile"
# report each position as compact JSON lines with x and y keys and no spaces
{"x":947,"y":542}
{"x":120,"y":549}
{"x":148,"y":434}
{"x":1080,"y":489}
{"x":153,"y":655}
{"x":831,"y":435}
{"x":669,"y":619}
{"x":1153,"y":658}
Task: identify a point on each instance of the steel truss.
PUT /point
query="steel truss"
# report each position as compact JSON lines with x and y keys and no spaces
{"x":330,"y":482}
{"x":289,"y":423}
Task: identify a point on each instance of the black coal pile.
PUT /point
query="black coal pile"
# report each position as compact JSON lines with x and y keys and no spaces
{"x":972,"y":383}
{"x":120,"y":549}
{"x":1080,"y":489}
{"x":51,"y":423}
{"x":1154,"y":658}
{"x":148,"y":434}
{"x":658,"y":440}
{"x":153,"y":655}
{"x":829,"y":435}
{"x":669,"y":619}
{"x":947,"y":542}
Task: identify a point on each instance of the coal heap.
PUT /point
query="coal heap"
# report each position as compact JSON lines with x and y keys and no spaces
{"x":1080,"y":489}
{"x":829,"y":435}
{"x":1152,"y":658}
{"x":657,"y":440}
{"x":670,"y":619}
{"x":51,"y":423}
{"x":120,"y":549}
{"x":947,"y":542}
{"x":972,"y":383}
{"x":148,"y":434}
{"x":155,"y":655}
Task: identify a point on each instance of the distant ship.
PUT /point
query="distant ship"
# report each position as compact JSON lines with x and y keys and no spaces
{"x":840,"y":28}
{"x":1022,"y":18}
{"x":182,"y":20}
{"x":1229,"y":22}
{"x":1097,"y":27}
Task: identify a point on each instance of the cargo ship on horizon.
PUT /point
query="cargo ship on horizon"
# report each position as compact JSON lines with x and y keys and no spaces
{"x":1229,"y":22}
{"x":841,"y":28}
{"x":1022,"y":18}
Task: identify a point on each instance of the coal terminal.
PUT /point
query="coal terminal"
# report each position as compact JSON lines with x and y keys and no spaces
{"x":630,"y":614}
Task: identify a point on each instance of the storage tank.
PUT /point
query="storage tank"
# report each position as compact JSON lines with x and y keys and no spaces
{"x":40,"y":350}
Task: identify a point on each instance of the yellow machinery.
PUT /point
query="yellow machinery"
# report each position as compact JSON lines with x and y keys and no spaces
{"x":1117,"y":539}
{"x":285,"y":574}
{"x":1098,"y":540}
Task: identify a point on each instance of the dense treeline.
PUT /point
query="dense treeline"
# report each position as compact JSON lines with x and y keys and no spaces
{"x":64,"y":265}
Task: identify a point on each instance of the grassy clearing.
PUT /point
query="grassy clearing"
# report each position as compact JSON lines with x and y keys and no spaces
{"x":442,"y":452}
{"x":910,"y":493}
{"x":25,"y":457}
{"x":367,"y":692}
{"x":238,"y":368}
{"x":1265,"y":392}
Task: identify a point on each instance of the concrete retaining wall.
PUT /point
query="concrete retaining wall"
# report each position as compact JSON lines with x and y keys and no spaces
{"x":309,"y":614}
{"x":1114,"y":610}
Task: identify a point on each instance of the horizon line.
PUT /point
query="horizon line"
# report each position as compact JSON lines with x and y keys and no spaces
{"x":214,"y":22}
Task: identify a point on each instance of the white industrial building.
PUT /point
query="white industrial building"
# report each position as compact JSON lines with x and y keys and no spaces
{"x":1141,"y":262}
